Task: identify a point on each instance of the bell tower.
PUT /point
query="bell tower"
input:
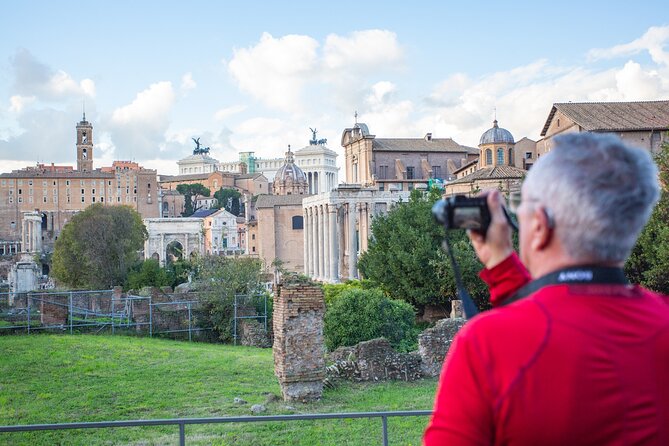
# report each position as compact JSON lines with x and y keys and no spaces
{"x":84,"y":145}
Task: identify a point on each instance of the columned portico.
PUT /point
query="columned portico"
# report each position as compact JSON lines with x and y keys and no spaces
{"x":338,"y":227}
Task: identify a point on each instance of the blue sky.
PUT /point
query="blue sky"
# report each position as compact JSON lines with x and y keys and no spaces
{"x":256,"y":75}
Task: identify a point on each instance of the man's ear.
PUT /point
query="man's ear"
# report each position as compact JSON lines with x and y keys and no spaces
{"x":542,"y":228}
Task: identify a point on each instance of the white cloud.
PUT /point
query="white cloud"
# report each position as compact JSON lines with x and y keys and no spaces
{"x":275,"y":70}
{"x":635,"y":83}
{"x":362,"y":50}
{"x":225,"y":113}
{"x":18,"y":103}
{"x":653,"y":41}
{"x":33,"y":78}
{"x":139,"y":128}
{"x":187,"y":82}
{"x":281,"y":72}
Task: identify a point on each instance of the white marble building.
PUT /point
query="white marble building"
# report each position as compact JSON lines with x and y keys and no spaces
{"x":337,"y":226}
{"x":184,"y":234}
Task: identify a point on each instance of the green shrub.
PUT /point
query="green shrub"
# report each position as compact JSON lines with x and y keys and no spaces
{"x":360,"y":315}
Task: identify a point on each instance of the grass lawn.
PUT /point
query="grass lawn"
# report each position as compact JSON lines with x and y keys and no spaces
{"x":64,"y":379}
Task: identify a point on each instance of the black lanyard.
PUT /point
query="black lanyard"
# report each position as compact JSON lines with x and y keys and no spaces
{"x":585,"y":275}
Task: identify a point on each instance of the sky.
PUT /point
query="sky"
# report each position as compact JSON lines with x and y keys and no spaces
{"x":256,"y":75}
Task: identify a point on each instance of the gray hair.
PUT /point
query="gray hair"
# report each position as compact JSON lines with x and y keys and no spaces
{"x":601,"y":193}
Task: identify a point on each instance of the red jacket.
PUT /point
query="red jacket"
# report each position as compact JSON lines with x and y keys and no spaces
{"x":568,"y":365}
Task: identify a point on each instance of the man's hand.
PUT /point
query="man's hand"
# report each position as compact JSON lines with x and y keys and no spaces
{"x":496,"y":246}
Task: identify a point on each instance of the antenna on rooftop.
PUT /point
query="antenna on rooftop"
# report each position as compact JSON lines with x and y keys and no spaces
{"x":356,"y":116}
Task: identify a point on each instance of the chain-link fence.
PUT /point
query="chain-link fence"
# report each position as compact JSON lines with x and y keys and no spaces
{"x":176,"y":316}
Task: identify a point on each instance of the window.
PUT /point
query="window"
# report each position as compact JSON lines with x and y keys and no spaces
{"x":20,"y":191}
{"x":11,"y":200}
{"x":93,"y":191}
{"x":510,"y":156}
{"x":488,"y":157}
{"x":436,"y":171}
{"x":383,"y":172}
{"x":82,"y":199}
{"x":298,"y":222}
{"x":500,"y":156}
{"x":44,"y":198}
{"x":20,"y":199}
{"x":253,"y":236}
{"x":528,"y":155}
{"x":82,"y":191}
{"x":43,"y":183}
{"x":67,"y":182}
{"x":30,"y":182}
{"x":30,"y":199}
{"x":409,"y":172}
{"x":254,"y":249}
{"x":93,"y":199}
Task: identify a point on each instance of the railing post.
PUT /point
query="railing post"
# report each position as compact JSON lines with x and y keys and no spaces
{"x":182,"y":434}
{"x":384,"y":422}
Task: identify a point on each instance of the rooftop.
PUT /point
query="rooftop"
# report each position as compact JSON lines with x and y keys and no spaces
{"x":268,"y":201}
{"x":492,"y":173}
{"x":420,"y":145}
{"x":614,"y":116}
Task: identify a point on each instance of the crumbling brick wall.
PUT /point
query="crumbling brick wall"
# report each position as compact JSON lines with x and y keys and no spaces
{"x":299,"y":360}
{"x":433,"y":344}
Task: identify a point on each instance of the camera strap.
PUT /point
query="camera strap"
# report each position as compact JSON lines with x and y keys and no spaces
{"x":582,"y":275}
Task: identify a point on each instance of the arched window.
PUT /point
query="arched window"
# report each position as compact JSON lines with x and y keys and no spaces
{"x":488,"y":157}
{"x":511,"y":158}
{"x":500,"y":156}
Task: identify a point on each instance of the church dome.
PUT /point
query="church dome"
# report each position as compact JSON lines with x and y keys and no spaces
{"x":496,"y":135}
{"x":290,"y":179}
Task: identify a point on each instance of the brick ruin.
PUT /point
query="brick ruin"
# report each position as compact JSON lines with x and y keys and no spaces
{"x":299,"y":346}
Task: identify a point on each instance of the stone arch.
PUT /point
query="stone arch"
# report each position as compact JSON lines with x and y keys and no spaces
{"x":174,"y":251}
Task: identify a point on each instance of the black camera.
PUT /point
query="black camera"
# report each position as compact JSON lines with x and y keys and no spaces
{"x":461,"y":212}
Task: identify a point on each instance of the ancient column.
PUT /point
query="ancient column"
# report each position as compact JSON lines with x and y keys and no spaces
{"x":352,"y":245}
{"x":314,"y":234}
{"x":321,"y":244}
{"x":334,"y":257}
{"x":326,"y":244}
{"x":305,"y":233}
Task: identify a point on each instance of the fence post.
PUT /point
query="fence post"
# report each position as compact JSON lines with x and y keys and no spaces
{"x":29,"y":300}
{"x":150,"y":318}
{"x":112,"y":313}
{"x":265,"y":295}
{"x":70,"y":310}
{"x":190,"y":336}
{"x":182,"y":434}
{"x":384,"y":423}
{"x":234,"y":334}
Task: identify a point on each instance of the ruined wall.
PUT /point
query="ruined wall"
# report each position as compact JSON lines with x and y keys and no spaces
{"x":299,"y":360}
{"x":433,"y":344}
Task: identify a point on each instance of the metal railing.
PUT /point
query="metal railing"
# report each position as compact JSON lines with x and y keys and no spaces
{"x":182,"y":422}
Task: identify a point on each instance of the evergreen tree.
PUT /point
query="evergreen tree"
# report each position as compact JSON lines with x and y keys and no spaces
{"x":192,"y":192}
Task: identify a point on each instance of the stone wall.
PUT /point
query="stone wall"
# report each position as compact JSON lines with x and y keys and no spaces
{"x":433,"y":344}
{"x":374,"y":360}
{"x":253,"y":334}
{"x":299,"y":359}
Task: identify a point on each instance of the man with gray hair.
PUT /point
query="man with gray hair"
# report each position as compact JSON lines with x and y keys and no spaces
{"x":571,"y":353}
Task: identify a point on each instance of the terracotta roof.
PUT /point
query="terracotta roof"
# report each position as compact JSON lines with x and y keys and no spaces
{"x":419,"y":145}
{"x":268,"y":201}
{"x":614,"y":116}
{"x":492,"y":173}
{"x":188,"y":177}
{"x":46,"y":174}
{"x":465,"y":166}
